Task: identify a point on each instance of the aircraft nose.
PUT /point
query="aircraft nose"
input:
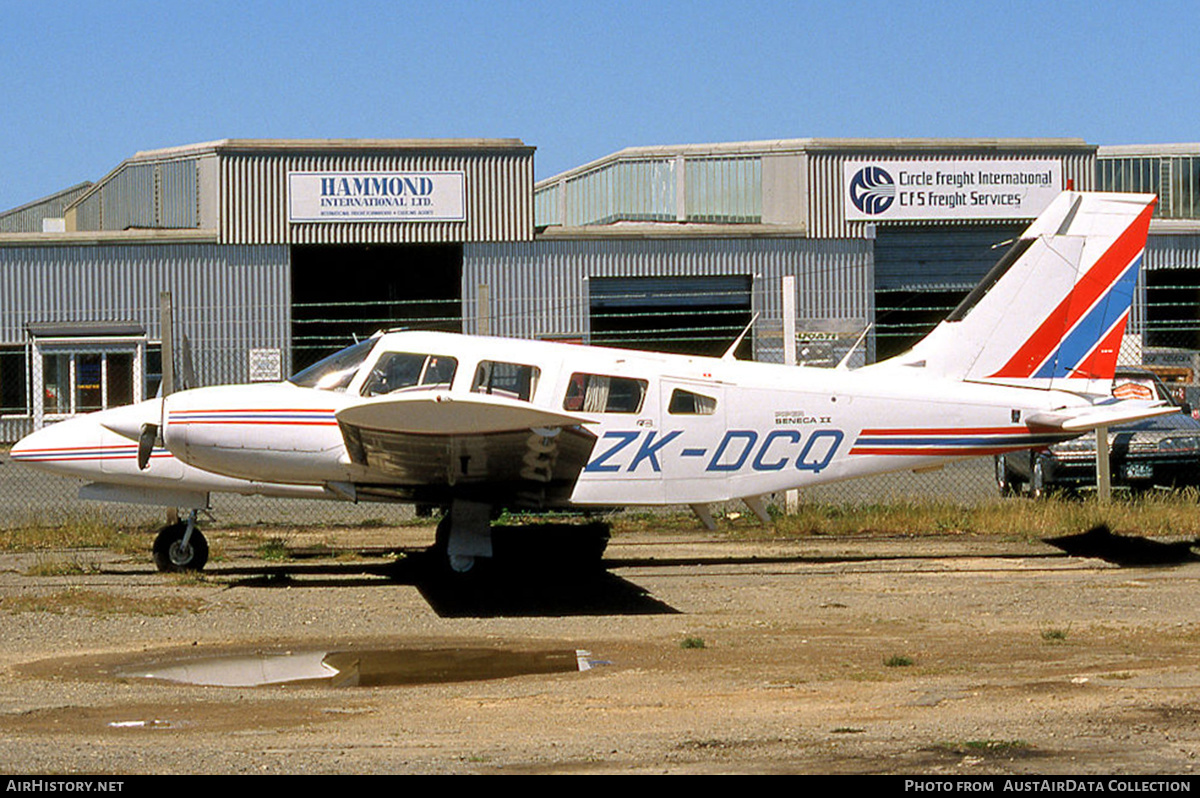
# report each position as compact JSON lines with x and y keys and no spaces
{"x":68,"y":447}
{"x":37,"y":448}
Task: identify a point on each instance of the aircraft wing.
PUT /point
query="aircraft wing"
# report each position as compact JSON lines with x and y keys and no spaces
{"x":442,"y":414}
{"x":1108,"y":415}
{"x":503,"y":450}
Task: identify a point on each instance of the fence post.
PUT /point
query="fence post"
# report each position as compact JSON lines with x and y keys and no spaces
{"x":166,"y":334}
{"x":1103,"y":477}
{"x":791,"y":500}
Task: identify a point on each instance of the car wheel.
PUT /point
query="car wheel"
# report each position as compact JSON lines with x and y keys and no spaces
{"x":1004,"y":479}
{"x":1037,"y":482}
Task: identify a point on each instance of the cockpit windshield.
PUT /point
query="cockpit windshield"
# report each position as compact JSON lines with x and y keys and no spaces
{"x":335,"y":372}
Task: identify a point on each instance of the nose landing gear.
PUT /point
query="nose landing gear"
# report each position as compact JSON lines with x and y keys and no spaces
{"x":181,"y":547}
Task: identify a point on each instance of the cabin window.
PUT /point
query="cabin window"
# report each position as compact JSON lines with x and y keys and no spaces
{"x":686,"y":403}
{"x":335,"y":372}
{"x":398,"y":371}
{"x":596,"y":393}
{"x":513,"y":380}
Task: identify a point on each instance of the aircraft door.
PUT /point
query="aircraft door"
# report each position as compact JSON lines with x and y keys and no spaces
{"x":693,"y":414}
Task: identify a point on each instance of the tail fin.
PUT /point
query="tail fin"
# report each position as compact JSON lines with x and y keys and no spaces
{"x":1052,"y":312}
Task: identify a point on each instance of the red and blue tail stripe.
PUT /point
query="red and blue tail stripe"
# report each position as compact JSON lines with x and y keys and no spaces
{"x":1081,"y":336}
{"x":953,"y":441}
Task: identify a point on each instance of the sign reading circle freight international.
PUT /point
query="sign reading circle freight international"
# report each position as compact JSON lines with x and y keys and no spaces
{"x":929,"y":190}
{"x":376,"y":197}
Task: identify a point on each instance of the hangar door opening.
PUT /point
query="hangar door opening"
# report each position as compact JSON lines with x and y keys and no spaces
{"x":345,"y":293}
{"x":687,"y":315}
{"x":922,"y":273}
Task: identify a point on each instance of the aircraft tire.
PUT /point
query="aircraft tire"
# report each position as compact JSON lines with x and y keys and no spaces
{"x":457,"y":567}
{"x":169,"y":555}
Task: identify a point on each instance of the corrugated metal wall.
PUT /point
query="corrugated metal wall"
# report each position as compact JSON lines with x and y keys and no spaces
{"x":539,"y":290}
{"x":1172,"y":252}
{"x":499,"y":201}
{"x":939,"y":258}
{"x":827,"y":205}
{"x":28,"y":218}
{"x":162,"y":194}
{"x":226,"y":299}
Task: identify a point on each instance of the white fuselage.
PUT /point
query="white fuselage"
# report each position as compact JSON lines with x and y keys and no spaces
{"x":668,"y":429}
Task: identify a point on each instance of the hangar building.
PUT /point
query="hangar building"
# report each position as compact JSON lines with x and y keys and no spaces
{"x":277,"y":252}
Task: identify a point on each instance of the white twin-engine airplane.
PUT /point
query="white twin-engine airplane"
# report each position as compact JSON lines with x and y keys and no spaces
{"x":474,"y":424}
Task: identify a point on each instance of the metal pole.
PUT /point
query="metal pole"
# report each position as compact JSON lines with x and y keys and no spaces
{"x":167,"y":338}
{"x":483,"y":305}
{"x":789,"y":319}
{"x":791,"y":498}
{"x":1103,"y":475}
{"x":168,"y":343}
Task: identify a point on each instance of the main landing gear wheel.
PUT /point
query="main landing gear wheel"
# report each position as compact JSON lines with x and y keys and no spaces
{"x":456,"y":564}
{"x":173,"y":555}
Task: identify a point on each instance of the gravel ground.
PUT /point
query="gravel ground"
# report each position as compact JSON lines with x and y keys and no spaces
{"x":954,"y":654}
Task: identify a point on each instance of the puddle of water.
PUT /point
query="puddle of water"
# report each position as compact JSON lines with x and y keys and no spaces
{"x":370,"y":668}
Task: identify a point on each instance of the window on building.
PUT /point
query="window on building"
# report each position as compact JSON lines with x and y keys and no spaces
{"x":81,"y":382}
{"x":14,"y":381}
{"x":152,"y":370}
{"x":1174,"y":178}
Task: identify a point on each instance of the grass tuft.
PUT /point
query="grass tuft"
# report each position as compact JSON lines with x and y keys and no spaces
{"x":93,"y":602}
{"x":1055,"y":634}
{"x":274,"y":549}
{"x":986,"y":746}
{"x":54,"y":567}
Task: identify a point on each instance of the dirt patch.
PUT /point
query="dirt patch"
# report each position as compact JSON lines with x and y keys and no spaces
{"x":953,"y":654}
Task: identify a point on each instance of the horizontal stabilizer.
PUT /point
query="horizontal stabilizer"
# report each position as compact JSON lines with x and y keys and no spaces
{"x":1088,"y":418}
{"x":442,"y":414}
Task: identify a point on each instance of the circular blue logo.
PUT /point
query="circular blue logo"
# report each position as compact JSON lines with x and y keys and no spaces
{"x":872,"y":190}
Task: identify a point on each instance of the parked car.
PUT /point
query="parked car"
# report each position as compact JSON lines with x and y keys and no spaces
{"x":1159,"y":452}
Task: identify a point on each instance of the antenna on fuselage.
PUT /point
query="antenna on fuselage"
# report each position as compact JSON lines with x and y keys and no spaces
{"x":844,"y":365}
{"x":738,"y":342}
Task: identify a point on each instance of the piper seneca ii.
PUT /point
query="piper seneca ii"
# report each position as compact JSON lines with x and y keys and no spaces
{"x":474,"y":424}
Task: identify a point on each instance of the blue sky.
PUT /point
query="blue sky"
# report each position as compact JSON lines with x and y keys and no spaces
{"x":85,"y":85}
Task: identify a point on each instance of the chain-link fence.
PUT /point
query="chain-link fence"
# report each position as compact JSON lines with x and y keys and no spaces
{"x":29,"y":497}
{"x":1166,"y":340}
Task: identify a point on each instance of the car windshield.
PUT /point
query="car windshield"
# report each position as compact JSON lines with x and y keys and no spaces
{"x":335,"y":372}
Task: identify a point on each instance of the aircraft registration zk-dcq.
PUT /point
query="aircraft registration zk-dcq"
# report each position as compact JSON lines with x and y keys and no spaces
{"x":473,"y":424}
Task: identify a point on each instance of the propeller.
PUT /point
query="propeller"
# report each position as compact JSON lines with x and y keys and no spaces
{"x":146,"y":441}
{"x":187,"y":370}
{"x":150,"y":433}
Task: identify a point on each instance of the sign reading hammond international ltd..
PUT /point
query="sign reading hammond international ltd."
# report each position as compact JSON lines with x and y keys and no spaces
{"x":930,"y":190}
{"x":376,"y":197}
